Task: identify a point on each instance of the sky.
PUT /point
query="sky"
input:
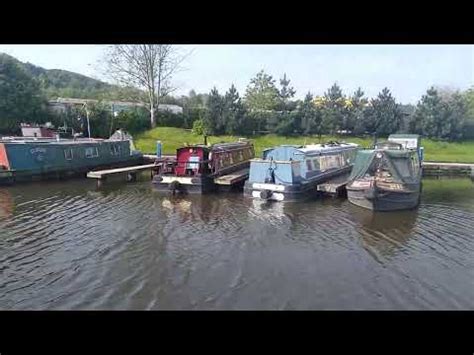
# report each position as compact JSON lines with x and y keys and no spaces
{"x":407,"y":70}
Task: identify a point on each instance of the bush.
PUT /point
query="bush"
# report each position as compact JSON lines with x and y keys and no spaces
{"x":134,"y":121}
{"x":198,"y":127}
{"x":468,"y":130}
{"x":170,"y":119}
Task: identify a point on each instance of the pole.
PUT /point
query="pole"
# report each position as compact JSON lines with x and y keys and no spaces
{"x":88,"y":124}
{"x":112,"y":120}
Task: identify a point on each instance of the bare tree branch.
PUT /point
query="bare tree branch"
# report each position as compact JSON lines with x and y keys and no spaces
{"x":148,"y":67}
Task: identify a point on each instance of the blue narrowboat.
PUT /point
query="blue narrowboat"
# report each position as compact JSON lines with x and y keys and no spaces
{"x":37,"y":158}
{"x":292,"y":172}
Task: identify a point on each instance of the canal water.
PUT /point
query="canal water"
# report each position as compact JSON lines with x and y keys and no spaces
{"x":67,"y":245}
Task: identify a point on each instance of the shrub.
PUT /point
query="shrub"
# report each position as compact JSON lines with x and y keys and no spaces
{"x":198,"y":127}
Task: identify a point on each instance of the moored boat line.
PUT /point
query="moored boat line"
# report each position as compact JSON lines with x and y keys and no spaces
{"x":387,"y":177}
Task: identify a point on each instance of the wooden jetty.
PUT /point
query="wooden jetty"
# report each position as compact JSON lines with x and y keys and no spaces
{"x":154,"y":157}
{"x":130,"y":171}
{"x":233,"y":178}
{"x":335,"y":186}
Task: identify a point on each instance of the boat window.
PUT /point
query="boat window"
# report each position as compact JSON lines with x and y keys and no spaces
{"x":68,"y":154}
{"x":92,"y":152}
{"x":309,"y":165}
{"x":316,"y":164}
{"x":115,"y":149}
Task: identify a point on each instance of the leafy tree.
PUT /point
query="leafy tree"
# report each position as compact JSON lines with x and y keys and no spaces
{"x":133,"y":121}
{"x":454,"y":117}
{"x":261,"y":93}
{"x":468,"y":98}
{"x":21,"y":99}
{"x":198,"y":127}
{"x":383,"y":116}
{"x":438,"y":118}
{"x":100,"y":117}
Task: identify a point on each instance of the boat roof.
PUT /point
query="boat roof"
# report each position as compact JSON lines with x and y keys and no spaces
{"x":403,"y":135}
{"x":315,"y":148}
{"x":25,"y":140}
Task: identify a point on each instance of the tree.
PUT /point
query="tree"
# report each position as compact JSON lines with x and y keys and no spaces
{"x":383,"y":116}
{"x":468,"y":98}
{"x":261,"y":93}
{"x":310,"y":119}
{"x":455,"y":117}
{"x":213,"y":118}
{"x":356,"y":117}
{"x":149,"y":67}
{"x":21,"y":99}
{"x":286,"y":91}
{"x":233,"y":115}
{"x":436,"y":117}
{"x":333,"y":111}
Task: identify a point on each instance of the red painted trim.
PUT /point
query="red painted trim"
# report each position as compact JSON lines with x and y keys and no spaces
{"x":4,"y":157}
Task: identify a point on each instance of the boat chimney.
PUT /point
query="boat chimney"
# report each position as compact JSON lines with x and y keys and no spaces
{"x":375,"y":139}
{"x":205,"y":140}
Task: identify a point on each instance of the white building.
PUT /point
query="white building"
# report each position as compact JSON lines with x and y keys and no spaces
{"x":61,"y":105}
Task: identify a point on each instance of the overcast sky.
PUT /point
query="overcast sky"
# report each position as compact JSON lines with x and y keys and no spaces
{"x":407,"y":70}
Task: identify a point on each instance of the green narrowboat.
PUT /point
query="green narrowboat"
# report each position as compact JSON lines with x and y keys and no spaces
{"x":31,"y":158}
{"x":388,"y":177}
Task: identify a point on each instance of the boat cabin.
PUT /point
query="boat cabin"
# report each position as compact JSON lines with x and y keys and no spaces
{"x":214,"y":160}
{"x":200,"y":168}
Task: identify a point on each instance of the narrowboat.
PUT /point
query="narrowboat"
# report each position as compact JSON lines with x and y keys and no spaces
{"x":197,"y":167}
{"x":292,"y":172}
{"x":388,"y":177}
{"x":40,"y":157}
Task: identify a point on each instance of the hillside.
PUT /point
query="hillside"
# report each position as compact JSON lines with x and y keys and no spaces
{"x":62,"y":83}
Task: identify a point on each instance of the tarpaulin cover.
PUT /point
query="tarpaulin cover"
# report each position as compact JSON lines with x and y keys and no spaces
{"x":362,"y":163}
{"x":398,"y":163}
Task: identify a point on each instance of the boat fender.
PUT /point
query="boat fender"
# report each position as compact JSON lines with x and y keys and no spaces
{"x":265,"y":194}
{"x":174,"y":185}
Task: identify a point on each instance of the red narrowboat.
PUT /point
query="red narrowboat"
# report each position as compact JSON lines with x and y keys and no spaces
{"x":197,"y":166}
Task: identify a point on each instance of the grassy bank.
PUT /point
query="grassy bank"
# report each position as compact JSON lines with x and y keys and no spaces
{"x":173,"y":138}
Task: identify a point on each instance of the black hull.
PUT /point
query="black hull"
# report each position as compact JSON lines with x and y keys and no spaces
{"x":383,"y":200}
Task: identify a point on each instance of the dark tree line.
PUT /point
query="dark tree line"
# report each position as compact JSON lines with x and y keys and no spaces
{"x":266,"y":107}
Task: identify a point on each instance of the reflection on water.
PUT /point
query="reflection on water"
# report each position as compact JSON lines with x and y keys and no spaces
{"x":6,"y":204}
{"x":68,"y":245}
{"x":449,"y":191}
{"x":384,"y":232}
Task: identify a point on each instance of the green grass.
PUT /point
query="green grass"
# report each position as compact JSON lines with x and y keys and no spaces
{"x":173,"y":138}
